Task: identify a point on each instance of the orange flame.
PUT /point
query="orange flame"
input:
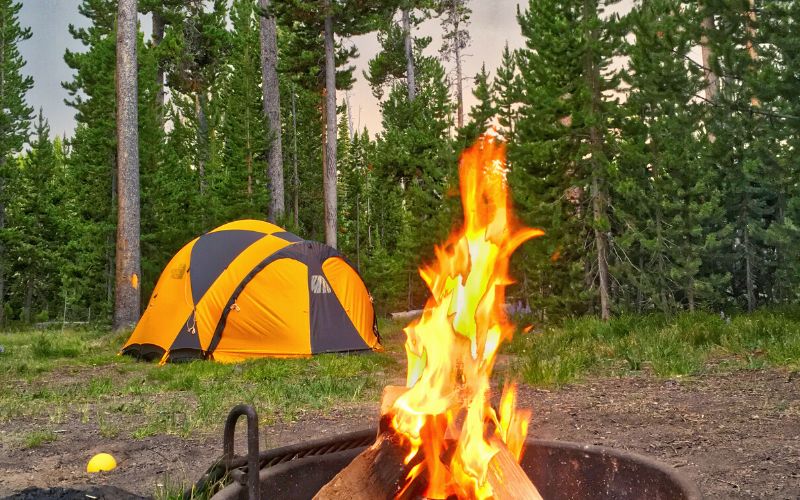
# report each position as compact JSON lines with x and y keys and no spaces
{"x":446,"y":414}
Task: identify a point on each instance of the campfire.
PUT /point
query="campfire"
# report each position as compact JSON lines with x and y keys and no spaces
{"x":439,"y":436}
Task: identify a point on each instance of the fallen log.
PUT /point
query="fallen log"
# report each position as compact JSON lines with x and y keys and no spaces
{"x":406,"y":314}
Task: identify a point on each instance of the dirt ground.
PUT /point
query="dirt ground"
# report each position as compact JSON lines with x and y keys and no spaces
{"x":736,"y":435}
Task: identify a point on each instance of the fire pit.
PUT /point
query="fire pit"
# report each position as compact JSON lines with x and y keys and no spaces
{"x":560,"y":470}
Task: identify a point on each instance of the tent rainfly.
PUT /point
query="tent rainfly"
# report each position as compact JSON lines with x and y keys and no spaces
{"x":249,"y":289}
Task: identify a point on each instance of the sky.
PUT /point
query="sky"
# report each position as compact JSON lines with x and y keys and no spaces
{"x":493,"y":23}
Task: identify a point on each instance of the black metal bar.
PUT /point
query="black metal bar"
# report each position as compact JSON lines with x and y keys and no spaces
{"x":253,"y":487}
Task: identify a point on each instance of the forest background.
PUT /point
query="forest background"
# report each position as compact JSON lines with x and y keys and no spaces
{"x":656,"y":148}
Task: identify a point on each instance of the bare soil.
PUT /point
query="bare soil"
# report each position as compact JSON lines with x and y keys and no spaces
{"x":737,"y":435}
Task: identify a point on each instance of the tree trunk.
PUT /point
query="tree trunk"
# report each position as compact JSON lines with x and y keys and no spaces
{"x":2,"y":196}
{"x":2,"y":247}
{"x":411,"y":80}
{"x":408,"y":302}
{"x":158,"y":37}
{"x":660,"y":285}
{"x":749,"y":279}
{"x":272,"y":111}
{"x":126,"y":305}
{"x":711,"y":77}
{"x":690,"y":295}
{"x":249,"y":153}
{"x":295,"y":178}
{"x":459,"y":72}
{"x":202,"y":139}
{"x":358,"y":234}
{"x":599,"y":193}
{"x":639,"y":291}
{"x":351,"y":132}
{"x":110,"y":247}
{"x":26,"y":308}
{"x":601,"y":240}
{"x":329,"y":172}
{"x":751,"y":48}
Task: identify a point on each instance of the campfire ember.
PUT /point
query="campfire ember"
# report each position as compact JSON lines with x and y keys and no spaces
{"x":440,"y":437}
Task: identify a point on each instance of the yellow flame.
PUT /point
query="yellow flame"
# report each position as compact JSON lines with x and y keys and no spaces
{"x":446,"y":414}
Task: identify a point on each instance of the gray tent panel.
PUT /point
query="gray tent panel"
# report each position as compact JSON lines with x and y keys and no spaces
{"x":213,"y":253}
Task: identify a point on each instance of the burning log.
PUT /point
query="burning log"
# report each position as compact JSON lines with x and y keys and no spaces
{"x":507,"y":478}
{"x":377,"y":473}
{"x":380,"y":471}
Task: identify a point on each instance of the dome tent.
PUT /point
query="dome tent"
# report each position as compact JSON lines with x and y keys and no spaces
{"x":249,"y":289}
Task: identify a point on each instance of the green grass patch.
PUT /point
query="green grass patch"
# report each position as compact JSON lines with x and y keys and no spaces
{"x":76,"y":375}
{"x":37,"y":438}
{"x":685,"y":344}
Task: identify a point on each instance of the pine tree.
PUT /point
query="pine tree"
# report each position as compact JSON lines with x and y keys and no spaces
{"x":455,"y":20}
{"x":162,"y":14}
{"x":778,"y":86}
{"x":564,"y":149}
{"x":92,"y":164}
{"x":667,"y":199}
{"x":415,"y":164}
{"x":390,"y":65}
{"x":507,"y":86}
{"x":35,"y":226}
{"x":198,"y":42}
{"x":243,"y":124}
{"x":345,"y":19}
{"x":299,"y":65}
{"x":481,"y":115}
{"x":399,"y":48}
{"x":91,"y":167}
{"x":744,"y":150}
{"x":15,"y":114}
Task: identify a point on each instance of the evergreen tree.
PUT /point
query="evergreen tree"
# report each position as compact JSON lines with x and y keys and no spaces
{"x":415,"y":165}
{"x":344,"y":19}
{"x":15,"y":114}
{"x":565,"y":148}
{"x":399,"y":49}
{"x":243,"y":181}
{"x":779,"y":88}
{"x":455,"y":19}
{"x":390,"y":65}
{"x":91,"y":167}
{"x":92,"y":164}
{"x":507,"y":87}
{"x":35,"y":227}
{"x":667,"y":196}
{"x":199,"y":45}
{"x":481,"y":115}
{"x":744,"y":151}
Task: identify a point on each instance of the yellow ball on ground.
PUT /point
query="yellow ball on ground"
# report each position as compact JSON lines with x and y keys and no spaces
{"x":101,"y":462}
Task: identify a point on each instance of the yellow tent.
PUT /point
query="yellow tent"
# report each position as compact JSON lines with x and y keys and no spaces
{"x":249,"y":289}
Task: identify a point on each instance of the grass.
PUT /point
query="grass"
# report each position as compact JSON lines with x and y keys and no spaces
{"x":54,"y":377}
{"x":38,"y":438}
{"x":686,"y":344}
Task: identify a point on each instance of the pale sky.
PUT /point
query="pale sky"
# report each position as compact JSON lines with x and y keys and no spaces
{"x":493,"y":22}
